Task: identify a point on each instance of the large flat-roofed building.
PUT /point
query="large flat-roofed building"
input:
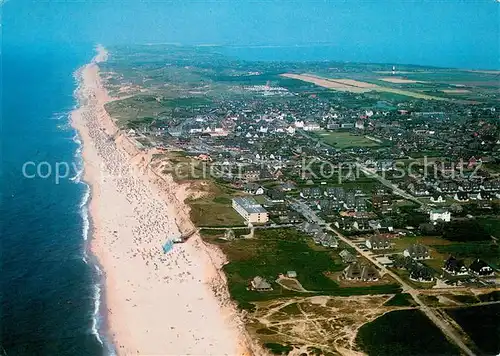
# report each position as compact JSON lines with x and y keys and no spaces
{"x":250,"y":210}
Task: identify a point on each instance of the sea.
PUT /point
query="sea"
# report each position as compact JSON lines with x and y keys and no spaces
{"x":50,"y":284}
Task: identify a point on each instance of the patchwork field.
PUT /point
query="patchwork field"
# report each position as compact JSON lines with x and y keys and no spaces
{"x":328,"y":83}
{"x":356,"y":86}
{"x":396,"y":80}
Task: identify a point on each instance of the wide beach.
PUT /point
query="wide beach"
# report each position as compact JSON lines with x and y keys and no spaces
{"x":155,"y":303}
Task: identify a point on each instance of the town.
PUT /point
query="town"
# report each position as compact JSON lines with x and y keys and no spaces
{"x":391,"y":180}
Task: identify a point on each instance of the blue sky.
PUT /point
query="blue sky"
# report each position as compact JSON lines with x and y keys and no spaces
{"x":446,"y":33}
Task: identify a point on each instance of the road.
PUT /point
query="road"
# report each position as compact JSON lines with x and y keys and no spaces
{"x":446,"y":328}
{"x":388,"y":184}
{"x":369,"y":172}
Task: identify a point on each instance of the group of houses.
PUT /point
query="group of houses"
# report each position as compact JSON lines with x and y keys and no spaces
{"x":319,"y":236}
{"x":456,"y":267}
{"x":357,"y":270}
{"x":458,"y":190}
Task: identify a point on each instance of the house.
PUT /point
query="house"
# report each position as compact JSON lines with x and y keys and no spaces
{"x":250,"y":210}
{"x":287,"y":187}
{"x":350,"y":201}
{"x":454,"y":266}
{"x":251,"y":175}
{"x":437,"y":198}
{"x":316,"y":193}
{"x":439,"y":215}
{"x":418,"y":189}
{"x":387,"y":224}
{"x":336,"y":192}
{"x":485,"y":195}
{"x":352,"y":272}
{"x":359,"y":272}
{"x":379,"y":201}
{"x":294,"y":217}
{"x":260,"y":284}
{"x":305,"y":193}
{"x":378,"y":243}
{"x":491,"y":185}
{"x":385,"y":165}
{"x":417,"y":252}
{"x":374,"y":224}
{"x":347,"y":125}
{"x":329,"y":206}
{"x":360,"y":204}
{"x":291,"y":274}
{"x":278,"y":209}
{"x":449,"y":187}
{"x":469,"y":186}
{"x":461,"y":196}
{"x":229,"y":234}
{"x":421,"y":273}
{"x":311,"y":126}
{"x":253,"y":188}
{"x":480,"y":268}
{"x":361,"y":225}
{"x":309,"y":228}
{"x":369,"y":273}
{"x":347,"y":257}
{"x":326,"y":240}
{"x":275,"y":196}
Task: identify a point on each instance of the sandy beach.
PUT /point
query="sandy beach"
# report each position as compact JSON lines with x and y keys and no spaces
{"x":157,"y":304}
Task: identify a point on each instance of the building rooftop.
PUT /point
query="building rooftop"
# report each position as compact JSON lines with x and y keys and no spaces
{"x":250,"y":205}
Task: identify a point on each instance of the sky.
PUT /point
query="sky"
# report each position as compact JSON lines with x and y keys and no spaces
{"x":451,"y":33}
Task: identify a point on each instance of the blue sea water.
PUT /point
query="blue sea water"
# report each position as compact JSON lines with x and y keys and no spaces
{"x":50,"y":287}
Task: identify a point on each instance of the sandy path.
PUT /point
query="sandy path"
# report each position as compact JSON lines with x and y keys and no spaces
{"x":158,"y":304}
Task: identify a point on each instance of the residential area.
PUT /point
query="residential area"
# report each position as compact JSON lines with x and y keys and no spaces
{"x":314,"y":192}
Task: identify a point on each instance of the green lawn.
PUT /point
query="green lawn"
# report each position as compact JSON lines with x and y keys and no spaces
{"x":276,"y":251}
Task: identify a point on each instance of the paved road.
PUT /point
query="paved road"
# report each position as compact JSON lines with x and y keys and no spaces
{"x":446,"y":328}
{"x":388,"y":184}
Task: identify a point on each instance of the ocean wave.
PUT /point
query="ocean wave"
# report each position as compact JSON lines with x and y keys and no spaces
{"x":84,"y":211}
{"x":78,"y":166}
{"x":96,"y":318}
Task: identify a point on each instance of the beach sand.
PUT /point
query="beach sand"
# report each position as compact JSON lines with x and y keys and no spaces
{"x":157,"y":304}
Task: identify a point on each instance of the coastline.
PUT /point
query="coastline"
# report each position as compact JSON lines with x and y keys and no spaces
{"x":156,"y":303}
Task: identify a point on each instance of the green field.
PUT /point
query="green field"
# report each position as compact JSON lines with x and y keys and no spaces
{"x":342,"y":139}
{"x":276,"y":251}
{"x":403,"y":332}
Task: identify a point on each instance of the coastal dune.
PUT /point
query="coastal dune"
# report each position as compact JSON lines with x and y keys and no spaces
{"x":155,"y":303}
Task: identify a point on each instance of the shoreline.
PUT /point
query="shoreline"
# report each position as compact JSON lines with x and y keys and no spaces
{"x":153,"y":303}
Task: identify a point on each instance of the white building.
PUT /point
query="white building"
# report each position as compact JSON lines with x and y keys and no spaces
{"x":439,"y":215}
{"x":250,"y":210}
{"x":311,"y":126}
{"x":290,"y":130}
{"x":299,"y":124}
